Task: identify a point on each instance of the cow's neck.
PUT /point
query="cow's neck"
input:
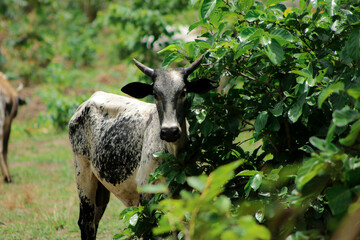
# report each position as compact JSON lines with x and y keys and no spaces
{"x":174,"y":147}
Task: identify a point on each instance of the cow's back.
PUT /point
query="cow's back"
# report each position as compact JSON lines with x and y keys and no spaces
{"x":6,"y":88}
{"x":9,"y":95}
{"x":109,"y":129}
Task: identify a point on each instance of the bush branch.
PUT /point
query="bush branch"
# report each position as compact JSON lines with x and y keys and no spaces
{"x":253,"y":79}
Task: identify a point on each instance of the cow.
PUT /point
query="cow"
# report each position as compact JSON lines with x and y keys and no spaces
{"x":9,"y":102}
{"x":113,"y":138}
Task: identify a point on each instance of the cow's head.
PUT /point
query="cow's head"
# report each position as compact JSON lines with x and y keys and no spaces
{"x":169,"y":89}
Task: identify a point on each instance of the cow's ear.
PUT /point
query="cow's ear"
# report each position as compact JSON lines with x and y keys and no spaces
{"x":201,"y":85}
{"x":137,"y":89}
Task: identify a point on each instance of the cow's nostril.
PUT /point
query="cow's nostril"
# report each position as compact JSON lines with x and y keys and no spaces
{"x":170,"y":134}
{"x":174,"y":131}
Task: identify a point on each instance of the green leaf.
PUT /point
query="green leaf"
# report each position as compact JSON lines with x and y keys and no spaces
{"x":302,"y":4}
{"x":307,"y":73}
{"x":336,"y":87}
{"x":246,"y":33}
{"x":206,"y":127}
{"x":330,"y":133}
{"x":133,"y":220}
{"x":282,"y":35}
{"x":253,"y":183}
{"x":339,"y":199}
{"x":170,"y":58}
{"x":295,"y":112}
{"x":252,"y":229}
{"x":247,"y":173}
{"x":197,"y":182}
{"x":274,"y":51}
{"x":241,"y":49}
{"x":351,"y":50}
{"x":265,"y":39}
{"x":170,"y":48}
{"x":222,"y":204}
{"x":321,"y":75}
{"x":200,"y":115}
{"x":245,"y":5}
{"x":353,"y":19}
{"x":261,"y":121}
{"x":150,"y":188}
{"x":314,"y":3}
{"x":195,"y":25}
{"x":181,"y":178}
{"x":316,"y":171}
{"x":252,"y":15}
{"x":256,"y":181}
{"x":318,"y":143}
{"x":345,"y":116}
{"x":206,"y":8}
{"x":163,"y":155}
{"x":351,"y":138}
{"x":130,"y":211}
{"x":220,"y":52}
{"x":192,"y":49}
{"x":354,"y":92}
{"x":218,"y":178}
{"x":273,"y":2}
{"x":277,"y":110}
{"x":163,"y":226}
{"x":202,"y":44}
{"x":325,"y":145}
{"x":274,"y":125}
{"x":332,"y":6}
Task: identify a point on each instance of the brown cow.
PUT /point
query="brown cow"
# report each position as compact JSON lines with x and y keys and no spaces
{"x":9,"y":102}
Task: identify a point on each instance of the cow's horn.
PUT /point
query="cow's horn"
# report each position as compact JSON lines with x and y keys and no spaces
{"x":189,"y":69}
{"x":148,"y":71}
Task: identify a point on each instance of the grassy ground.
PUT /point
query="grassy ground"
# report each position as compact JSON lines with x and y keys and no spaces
{"x":43,"y":202}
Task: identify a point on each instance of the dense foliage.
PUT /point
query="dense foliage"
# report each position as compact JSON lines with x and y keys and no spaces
{"x":274,"y":154}
{"x":291,"y":78}
{"x":60,"y":43}
{"x":149,"y":25}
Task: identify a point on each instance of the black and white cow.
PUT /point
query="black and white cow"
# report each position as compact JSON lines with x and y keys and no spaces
{"x":113,"y":138}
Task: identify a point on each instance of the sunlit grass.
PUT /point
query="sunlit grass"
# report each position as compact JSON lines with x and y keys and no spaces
{"x":43,"y":202}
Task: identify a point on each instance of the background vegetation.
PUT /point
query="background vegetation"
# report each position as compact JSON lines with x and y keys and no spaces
{"x":274,"y":154}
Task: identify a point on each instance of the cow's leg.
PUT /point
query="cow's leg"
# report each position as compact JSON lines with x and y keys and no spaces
{"x":102,"y":199}
{"x":4,"y":169}
{"x":93,"y":198}
{"x":6,"y":136}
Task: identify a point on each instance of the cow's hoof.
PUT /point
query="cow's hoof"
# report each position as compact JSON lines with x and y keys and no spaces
{"x":8,"y":180}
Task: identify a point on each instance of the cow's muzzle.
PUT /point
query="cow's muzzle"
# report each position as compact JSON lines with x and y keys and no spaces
{"x":170,"y":134}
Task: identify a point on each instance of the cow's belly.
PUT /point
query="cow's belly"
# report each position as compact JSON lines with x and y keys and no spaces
{"x":126,"y":191}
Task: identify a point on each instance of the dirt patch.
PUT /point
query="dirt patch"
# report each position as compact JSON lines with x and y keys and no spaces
{"x":116,"y":74}
{"x":33,"y":105}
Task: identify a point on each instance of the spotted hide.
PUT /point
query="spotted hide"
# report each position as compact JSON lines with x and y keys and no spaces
{"x":9,"y":102}
{"x":113,"y":139}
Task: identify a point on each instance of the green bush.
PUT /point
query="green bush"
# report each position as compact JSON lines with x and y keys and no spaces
{"x":60,"y":107}
{"x":38,"y":33}
{"x":290,"y":78}
{"x":141,"y":27}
